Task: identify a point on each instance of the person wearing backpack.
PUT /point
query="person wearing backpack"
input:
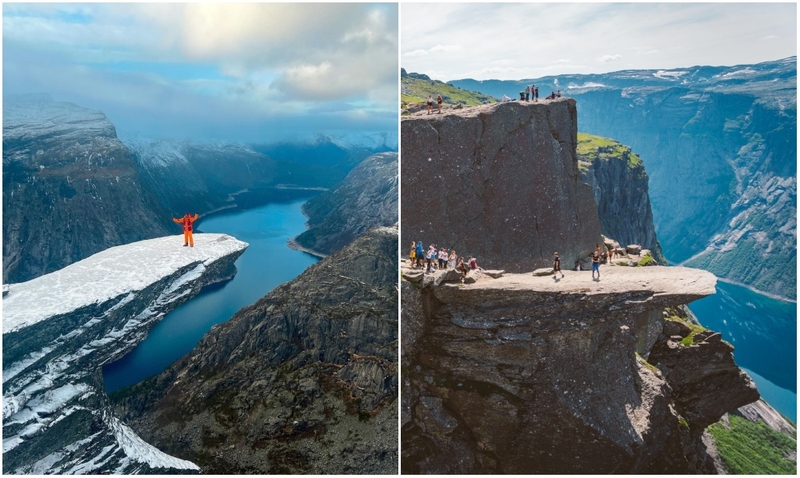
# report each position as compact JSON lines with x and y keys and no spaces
{"x":420,"y":254}
{"x":187,"y":221}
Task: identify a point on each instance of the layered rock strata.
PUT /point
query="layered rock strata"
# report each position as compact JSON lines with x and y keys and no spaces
{"x":499,"y":182}
{"x":365,"y":199}
{"x":61,"y":328}
{"x":302,"y":381}
{"x":526,"y":374}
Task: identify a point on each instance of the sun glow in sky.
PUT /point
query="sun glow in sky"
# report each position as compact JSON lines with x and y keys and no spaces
{"x":245,"y":72}
{"x":518,"y":41}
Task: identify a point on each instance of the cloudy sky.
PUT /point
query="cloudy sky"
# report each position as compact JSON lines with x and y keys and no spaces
{"x":243,"y":72}
{"x":517,"y":41}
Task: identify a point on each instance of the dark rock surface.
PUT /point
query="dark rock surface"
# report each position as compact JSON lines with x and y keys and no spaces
{"x":525,"y":374}
{"x":302,"y":381}
{"x":56,"y":415}
{"x":620,"y":186}
{"x":499,"y":182}
{"x":365,"y":199}
{"x":70,"y":188}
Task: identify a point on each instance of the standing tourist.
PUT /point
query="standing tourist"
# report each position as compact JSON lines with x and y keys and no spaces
{"x":557,"y":266}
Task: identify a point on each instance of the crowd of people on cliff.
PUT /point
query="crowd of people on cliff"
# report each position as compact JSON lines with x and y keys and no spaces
{"x":439,"y":259}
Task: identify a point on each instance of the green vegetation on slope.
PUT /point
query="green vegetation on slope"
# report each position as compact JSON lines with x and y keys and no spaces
{"x":770,"y":275}
{"x":416,"y":90}
{"x":591,"y":147}
{"x":749,"y":448}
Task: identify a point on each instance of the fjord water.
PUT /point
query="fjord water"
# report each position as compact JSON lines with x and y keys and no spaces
{"x":267,"y":263}
{"x":764,"y":334}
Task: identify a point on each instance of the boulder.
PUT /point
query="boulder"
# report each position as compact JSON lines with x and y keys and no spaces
{"x":450,"y":275}
{"x":634,"y":249}
{"x":494,"y":274}
{"x":546,"y":271}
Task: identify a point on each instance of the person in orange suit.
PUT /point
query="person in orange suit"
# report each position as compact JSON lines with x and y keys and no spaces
{"x":187,"y":221}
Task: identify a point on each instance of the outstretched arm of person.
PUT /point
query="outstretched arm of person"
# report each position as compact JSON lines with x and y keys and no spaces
{"x":196,"y":215}
{"x":177,"y":220}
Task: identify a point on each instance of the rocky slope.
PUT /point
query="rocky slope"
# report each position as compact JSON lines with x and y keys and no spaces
{"x":302,"y":381}
{"x":524,"y":374}
{"x":70,"y":188}
{"x":620,"y":186}
{"x":720,"y":147}
{"x":58,"y":331}
{"x":365,"y":199}
{"x":415,"y":88}
{"x":499,"y":182}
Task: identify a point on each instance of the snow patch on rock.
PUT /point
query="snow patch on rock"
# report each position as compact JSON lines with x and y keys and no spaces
{"x":117,"y":271}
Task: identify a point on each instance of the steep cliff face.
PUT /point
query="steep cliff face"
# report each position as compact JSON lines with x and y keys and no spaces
{"x":499,"y":182}
{"x":302,"y":381}
{"x":199,"y":177}
{"x":720,"y":146}
{"x":70,"y":189}
{"x":522,"y":374}
{"x":365,"y":199}
{"x":58,"y":331}
{"x":620,"y":186}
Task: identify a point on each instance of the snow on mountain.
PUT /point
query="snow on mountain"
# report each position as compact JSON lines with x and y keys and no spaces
{"x":155,"y":153}
{"x":61,"y":328}
{"x":25,"y":118}
{"x":375,"y":140}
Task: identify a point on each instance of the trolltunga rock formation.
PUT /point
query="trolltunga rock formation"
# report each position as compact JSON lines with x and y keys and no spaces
{"x":499,"y":182}
{"x":61,"y":328}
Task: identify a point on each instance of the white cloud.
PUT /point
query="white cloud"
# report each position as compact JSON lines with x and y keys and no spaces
{"x":601,"y":37}
{"x":256,"y":62}
{"x":416,"y":53}
{"x":607,"y":58}
{"x":446,"y":48}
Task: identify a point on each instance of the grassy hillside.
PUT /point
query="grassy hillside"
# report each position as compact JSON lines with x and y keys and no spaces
{"x":591,"y":147}
{"x":754,"y":448}
{"x":416,"y":88}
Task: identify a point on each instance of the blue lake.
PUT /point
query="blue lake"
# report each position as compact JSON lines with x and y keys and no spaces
{"x":267,"y":263}
{"x":764,"y":334}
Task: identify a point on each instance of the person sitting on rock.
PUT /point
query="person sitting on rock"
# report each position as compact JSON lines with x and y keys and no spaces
{"x":473,"y":263}
{"x":557,"y":266}
{"x":461,"y":267}
{"x":187,"y":221}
